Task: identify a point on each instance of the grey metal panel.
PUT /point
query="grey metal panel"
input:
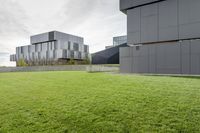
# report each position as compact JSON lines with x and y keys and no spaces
{"x":195,"y":64}
{"x":195,"y":47}
{"x":160,"y":58}
{"x":44,"y":47}
{"x":135,"y":64}
{"x":173,"y":63}
{"x":185,"y":57}
{"x":168,"y":20}
{"x":134,"y":54}
{"x":126,"y":64}
{"x":195,"y":57}
{"x":152,"y":58}
{"x":125,"y":52}
{"x":133,"y":26}
{"x":40,"y":38}
{"x":68,"y":37}
{"x":140,"y":59}
{"x":25,"y":52}
{"x":32,"y":48}
{"x":143,"y":64}
{"x":178,"y":19}
{"x":125,"y":60}
{"x":43,"y":55}
{"x":165,"y":58}
{"x":149,"y":23}
{"x":168,"y":58}
{"x":189,"y":18}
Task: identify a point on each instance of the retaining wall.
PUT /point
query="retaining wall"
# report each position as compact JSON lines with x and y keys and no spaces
{"x":93,"y":68}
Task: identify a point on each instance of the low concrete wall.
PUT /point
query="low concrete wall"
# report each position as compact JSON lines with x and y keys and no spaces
{"x":59,"y":68}
{"x":101,"y":68}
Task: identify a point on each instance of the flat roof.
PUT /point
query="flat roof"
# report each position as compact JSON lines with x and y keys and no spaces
{"x":130,"y":4}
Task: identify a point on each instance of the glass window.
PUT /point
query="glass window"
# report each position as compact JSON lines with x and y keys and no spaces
{"x":55,"y":46}
{"x":85,"y":49}
{"x":72,"y":54}
{"x":22,"y":50}
{"x":69,"y":45}
{"x":54,"y":54}
{"x":79,"y":55}
{"x":29,"y":49}
{"x":41,"y":47}
{"x":52,"y":45}
{"x":75,"y":47}
{"x":64,"y":53}
{"x":36,"y":48}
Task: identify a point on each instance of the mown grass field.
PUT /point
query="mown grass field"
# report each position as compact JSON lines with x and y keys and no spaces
{"x":80,"y":102}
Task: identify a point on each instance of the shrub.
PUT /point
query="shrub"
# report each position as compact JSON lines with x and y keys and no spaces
{"x":71,"y":62}
{"x":22,"y":63}
{"x":86,"y":61}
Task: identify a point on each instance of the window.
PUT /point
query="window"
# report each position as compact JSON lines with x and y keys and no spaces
{"x":64,"y":54}
{"x":22,"y":51}
{"x":75,"y":47}
{"x":69,"y":45}
{"x":36,"y":48}
{"x":39,"y":55}
{"x":29,"y":49}
{"x":55,"y":45}
{"x":72,"y":54}
{"x":33,"y":56}
{"x":79,"y":55}
{"x":54,"y":54}
{"x":40,"y":47}
{"x":52,"y":45}
{"x":48,"y":45}
{"x":47,"y":55}
{"x":85,"y":49}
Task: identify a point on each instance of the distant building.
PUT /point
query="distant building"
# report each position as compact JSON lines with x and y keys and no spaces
{"x":108,"y":56}
{"x":107,"y":47}
{"x":119,"y":40}
{"x":52,"y":47}
{"x":111,"y":54}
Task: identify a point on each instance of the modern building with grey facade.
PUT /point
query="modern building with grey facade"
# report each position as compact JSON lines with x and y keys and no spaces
{"x":111,"y":53}
{"x":164,"y":36}
{"x":118,"y":40}
{"x":52,"y":47}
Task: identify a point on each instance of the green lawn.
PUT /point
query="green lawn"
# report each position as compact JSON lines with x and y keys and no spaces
{"x":80,"y":102}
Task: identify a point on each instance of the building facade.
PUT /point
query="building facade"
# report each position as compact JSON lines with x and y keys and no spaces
{"x":164,"y":35}
{"x":52,"y":47}
{"x":119,"y":40}
{"x":108,"y":56}
{"x":111,"y":53}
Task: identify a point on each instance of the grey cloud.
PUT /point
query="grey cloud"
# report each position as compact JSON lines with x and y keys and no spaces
{"x":96,"y":20}
{"x":78,"y":11}
{"x":3,"y":54}
{"x":12,"y":19}
{"x":12,"y":25}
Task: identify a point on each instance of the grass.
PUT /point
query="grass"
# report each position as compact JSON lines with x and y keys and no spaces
{"x":80,"y":102}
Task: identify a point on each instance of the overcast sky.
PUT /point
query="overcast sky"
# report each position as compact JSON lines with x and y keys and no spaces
{"x":95,"y":20}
